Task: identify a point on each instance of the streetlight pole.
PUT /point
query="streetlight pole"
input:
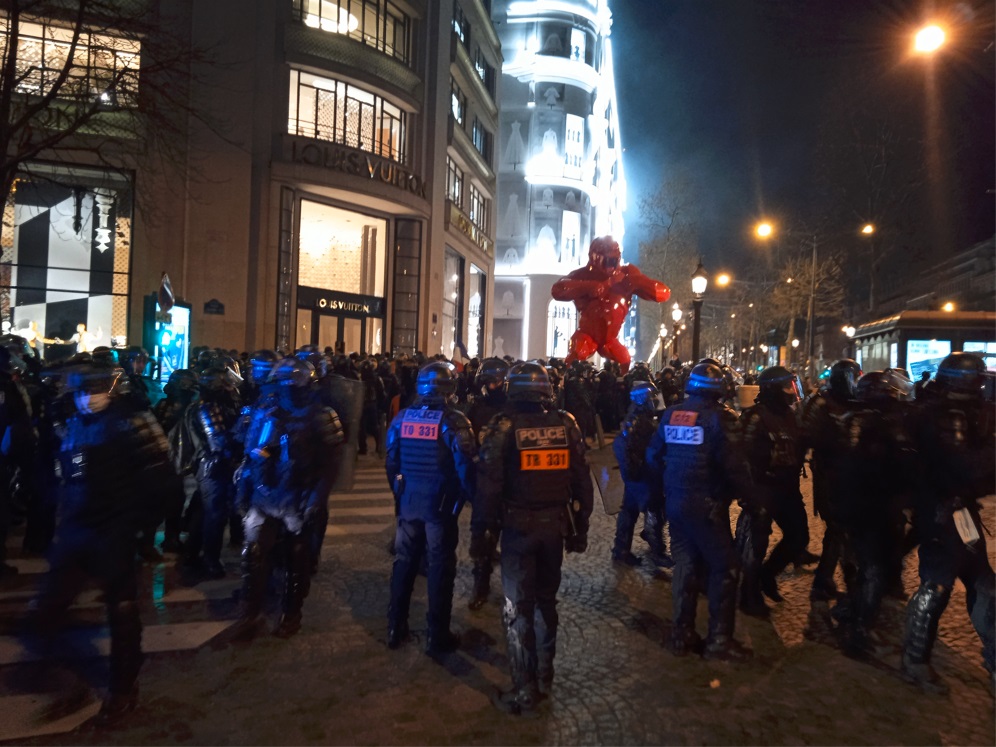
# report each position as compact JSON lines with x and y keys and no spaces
{"x":699,"y":282}
{"x":811,"y":316}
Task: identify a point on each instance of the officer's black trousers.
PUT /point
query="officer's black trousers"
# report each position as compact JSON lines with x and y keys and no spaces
{"x":437,"y":540}
{"x":532,"y":552}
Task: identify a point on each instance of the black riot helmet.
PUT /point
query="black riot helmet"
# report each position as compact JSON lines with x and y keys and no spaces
{"x":872,"y":386}
{"x":182,"y":383}
{"x":706,"y":380}
{"x":961,"y":375}
{"x":646,"y":397}
{"x":104,"y":356}
{"x":436,"y":380}
{"x":844,"y":375}
{"x":10,"y":362}
{"x":492,"y":371}
{"x":732,"y":380}
{"x":291,"y":372}
{"x":260,"y":364}
{"x":771,"y":386}
{"x":90,"y":378}
{"x":216,"y":379}
{"x":135,"y":359}
{"x":528,"y":382}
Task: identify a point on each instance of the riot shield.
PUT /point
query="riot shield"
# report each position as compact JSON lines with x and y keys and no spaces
{"x":608,"y":487}
{"x":345,"y":396}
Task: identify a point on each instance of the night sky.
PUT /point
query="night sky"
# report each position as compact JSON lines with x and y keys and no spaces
{"x":732,"y":92}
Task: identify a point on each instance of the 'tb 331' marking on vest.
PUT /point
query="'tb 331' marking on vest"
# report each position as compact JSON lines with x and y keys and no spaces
{"x":683,"y":434}
{"x":544,"y":460}
{"x":540,"y":438}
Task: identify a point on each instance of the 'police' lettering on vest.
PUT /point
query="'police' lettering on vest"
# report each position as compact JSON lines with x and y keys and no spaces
{"x":421,"y":424}
{"x":540,"y":438}
{"x":683,"y":434}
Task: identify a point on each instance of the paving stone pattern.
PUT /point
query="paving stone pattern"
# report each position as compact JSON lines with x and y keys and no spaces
{"x":337,"y":683}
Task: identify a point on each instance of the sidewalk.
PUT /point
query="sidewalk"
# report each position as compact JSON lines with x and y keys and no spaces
{"x":337,"y":683}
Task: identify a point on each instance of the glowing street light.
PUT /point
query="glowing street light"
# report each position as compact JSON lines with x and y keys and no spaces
{"x":764,"y":229}
{"x":868,"y":229}
{"x":723,"y":279}
{"x":929,"y":39}
{"x":948,"y":306}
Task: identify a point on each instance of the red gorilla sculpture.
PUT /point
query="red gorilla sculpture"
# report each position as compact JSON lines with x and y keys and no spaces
{"x":602,"y":292}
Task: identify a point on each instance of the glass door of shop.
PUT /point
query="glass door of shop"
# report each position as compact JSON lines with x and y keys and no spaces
{"x":343,"y":333}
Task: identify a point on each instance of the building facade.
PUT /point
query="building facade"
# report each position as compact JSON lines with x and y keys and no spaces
{"x":313,"y":202}
{"x":559,"y":164}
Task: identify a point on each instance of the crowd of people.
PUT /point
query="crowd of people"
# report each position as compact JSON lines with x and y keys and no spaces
{"x":96,"y":457}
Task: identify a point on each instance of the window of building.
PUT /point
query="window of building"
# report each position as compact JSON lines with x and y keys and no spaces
{"x":328,"y":109}
{"x":103,"y":68}
{"x":341,"y":250}
{"x":65,"y":259}
{"x":377,"y":23}
{"x":407,"y":271}
{"x":573,"y":146}
{"x":461,"y":26}
{"x":458,"y":102}
{"x":485,"y":72}
{"x":451,"y":332}
{"x":480,"y":209}
{"x":454,"y":183}
{"x":476,"y":311}
{"x":483,"y":140}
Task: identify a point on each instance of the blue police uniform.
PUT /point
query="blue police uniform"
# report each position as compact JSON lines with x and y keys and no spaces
{"x":430,"y":464}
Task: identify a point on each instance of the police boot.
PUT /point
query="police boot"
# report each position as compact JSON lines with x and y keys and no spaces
{"x":819,"y":624}
{"x":125,"y":661}
{"x":402,"y":578}
{"x":653,"y":534}
{"x":859,"y":642}
{"x":525,"y":694}
{"x":253,"y":592}
{"x":751,"y":599}
{"x":720,"y":644}
{"x":684,"y":640}
{"x":297,"y":581}
{"x":622,"y":547}
{"x":922,"y":616}
{"x":482,"y":549}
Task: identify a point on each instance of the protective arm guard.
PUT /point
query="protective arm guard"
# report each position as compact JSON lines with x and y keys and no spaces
{"x":459,"y":438}
{"x":213,"y":428}
{"x":491,"y":470}
{"x":153,"y":472}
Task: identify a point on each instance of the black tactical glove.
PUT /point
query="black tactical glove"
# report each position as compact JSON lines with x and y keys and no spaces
{"x":577,"y":543}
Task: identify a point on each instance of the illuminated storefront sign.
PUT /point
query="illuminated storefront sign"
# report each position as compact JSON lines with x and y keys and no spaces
{"x":357,"y":163}
{"x":349,"y":303}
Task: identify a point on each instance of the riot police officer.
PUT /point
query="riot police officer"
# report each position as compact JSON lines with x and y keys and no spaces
{"x":774,"y":451}
{"x":878,"y":467}
{"x":489,"y":386}
{"x":17,"y":440}
{"x":822,"y":431}
{"x":430,"y":465}
{"x":642,"y":487}
{"x":209,"y":423}
{"x":534,"y":484}
{"x":697,"y":451}
{"x":290,"y":466}
{"x":114,"y":467}
{"x":954,"y":437}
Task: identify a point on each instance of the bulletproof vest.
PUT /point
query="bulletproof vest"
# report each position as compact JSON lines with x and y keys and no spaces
{"x":638,"y":428}
{"x":482,"y":410}
{"x":781,"y":429}
{"x":538,"y":464}
{"x":684,"y":429}
{"x":421,"y":433}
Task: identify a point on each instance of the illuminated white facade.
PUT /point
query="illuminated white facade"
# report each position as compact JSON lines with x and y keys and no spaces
{"x":559,"y":164}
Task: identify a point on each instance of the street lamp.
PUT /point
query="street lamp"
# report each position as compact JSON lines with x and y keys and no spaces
{"x":929,"y":39}
{"x":676,"y":317}
{"x":699,"y":282}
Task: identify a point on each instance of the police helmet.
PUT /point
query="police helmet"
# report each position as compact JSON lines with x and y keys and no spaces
{"x":206,"y":358}
{"x":216,"y":379}
{"x":771,"y":384}
{"x":898,"y":382}
{"x":104,"y":356}
{"x":10,"y":362}
{"x":732,"y":380}
{"x":844,"y":376}
{"x":292,"y":372}
{"x":92,"y":379}
{"x":181,"y":380}
{"x":713,"y":361}
{"x":528,"y":382}
{"x":872,"y":386}
{"x":436,"y":379}
{"x":706,"y":379}
{"x":646,"y":396}
{"x":18,"y":346}
{"x":491,"y":371}
{"x":961,"y":373}
{"x":261,"y":363}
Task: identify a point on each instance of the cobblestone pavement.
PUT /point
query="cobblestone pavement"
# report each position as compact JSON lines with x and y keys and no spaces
{"x":337,"y":683}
